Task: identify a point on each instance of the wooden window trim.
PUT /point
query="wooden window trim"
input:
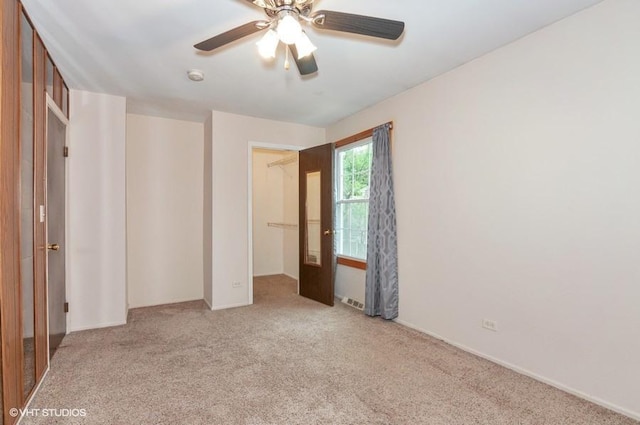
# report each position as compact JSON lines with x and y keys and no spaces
{"x":352,"y":262}
{"x":357,"y":137}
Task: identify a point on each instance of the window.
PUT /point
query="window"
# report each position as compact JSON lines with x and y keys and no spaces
{"x":353,"y":168}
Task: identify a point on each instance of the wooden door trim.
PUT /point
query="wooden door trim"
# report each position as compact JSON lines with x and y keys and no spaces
{"x":57,"y":86}
{"x":11,"y":311}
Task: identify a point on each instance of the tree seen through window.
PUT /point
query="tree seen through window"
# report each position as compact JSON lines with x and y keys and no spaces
{"x":352,"y":204}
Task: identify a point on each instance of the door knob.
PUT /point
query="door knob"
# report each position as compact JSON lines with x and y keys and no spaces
{"x":53,"y":247}
{"x":328,"y":232}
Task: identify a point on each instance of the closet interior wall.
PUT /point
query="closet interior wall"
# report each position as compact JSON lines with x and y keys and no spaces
{"x":275,"y":212}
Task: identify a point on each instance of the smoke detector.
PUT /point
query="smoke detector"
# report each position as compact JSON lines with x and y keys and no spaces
{"x":195,"y":75}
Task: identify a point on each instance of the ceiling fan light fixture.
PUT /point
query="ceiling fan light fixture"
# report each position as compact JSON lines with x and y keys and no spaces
{"x":268,"y":44}
{"x":289,"y":29}
{"x":304,"y":46}
{"x":283,"y":24}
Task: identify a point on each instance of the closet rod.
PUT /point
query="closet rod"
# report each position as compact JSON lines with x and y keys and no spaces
{"x":283,"y":225}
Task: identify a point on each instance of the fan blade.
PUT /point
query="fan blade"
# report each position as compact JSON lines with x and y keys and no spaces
{"x":231,"y":36}
{"x":307,"y":65}
{"x":358,"y":24}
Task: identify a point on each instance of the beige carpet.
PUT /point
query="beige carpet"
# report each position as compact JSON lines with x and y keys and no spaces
{"x":288,"y":360}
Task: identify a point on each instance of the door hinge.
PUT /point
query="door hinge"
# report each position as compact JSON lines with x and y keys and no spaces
{"x":66,"y":307}
{"x":65,"y":151}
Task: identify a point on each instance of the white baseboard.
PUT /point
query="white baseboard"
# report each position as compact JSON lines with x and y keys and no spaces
{"x":291,"y":276}
{"x":548,"y":381}
{"x":276,"y":274}
{"x":96,"y":326}
{"x":167,"y":302}
{"x":224,"y":307}
{"x":206,"y":301}
{"x":267,"y":274}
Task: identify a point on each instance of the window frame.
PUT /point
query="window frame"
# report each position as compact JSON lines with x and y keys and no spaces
{"x":341,"y":259}
{"x":351,"y":142}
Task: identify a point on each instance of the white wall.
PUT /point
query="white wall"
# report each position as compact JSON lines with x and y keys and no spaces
{"x":231,"y":137}
{"x":164,"y":210}
{"x":291,"y":238}
{"x":516,"y":178}
{"x":268,"y":207}
{"x":207,"y":218}
{"x":349,"y":282}
{"x":96,"y":278}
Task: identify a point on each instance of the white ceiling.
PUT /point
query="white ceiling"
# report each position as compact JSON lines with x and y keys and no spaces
{"x":142,"y":49}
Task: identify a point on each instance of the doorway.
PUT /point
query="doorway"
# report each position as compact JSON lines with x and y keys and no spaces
{"x":273,"y":218}
{"x":278,"y":202}
{"x":56,"y":189}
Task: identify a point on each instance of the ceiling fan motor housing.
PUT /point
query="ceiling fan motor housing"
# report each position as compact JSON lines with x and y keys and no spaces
{"x":300,"y":9}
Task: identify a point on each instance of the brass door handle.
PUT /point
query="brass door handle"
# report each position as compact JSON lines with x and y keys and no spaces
{"x":53,"y":247}
{"x":328,"y":232}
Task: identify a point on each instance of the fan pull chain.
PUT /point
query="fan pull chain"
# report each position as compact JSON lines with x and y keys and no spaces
{"x":286,"y":57}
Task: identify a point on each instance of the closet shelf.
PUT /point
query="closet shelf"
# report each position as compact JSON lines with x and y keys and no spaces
{"x":283,"y":225}
{"x":283,"y":161}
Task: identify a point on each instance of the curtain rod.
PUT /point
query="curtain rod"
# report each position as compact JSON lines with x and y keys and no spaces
{"x":360,"y":136}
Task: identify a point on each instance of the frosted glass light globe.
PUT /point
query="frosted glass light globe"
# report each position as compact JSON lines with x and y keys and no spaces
{"x":289,"y":29}
{"x":268,"y":44}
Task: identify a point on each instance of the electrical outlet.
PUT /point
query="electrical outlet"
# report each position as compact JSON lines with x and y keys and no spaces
{"x":492,"y":325}
{"x":236,"y":285}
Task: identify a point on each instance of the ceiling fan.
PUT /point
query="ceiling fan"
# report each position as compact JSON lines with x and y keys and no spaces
{"x":284,"y":25}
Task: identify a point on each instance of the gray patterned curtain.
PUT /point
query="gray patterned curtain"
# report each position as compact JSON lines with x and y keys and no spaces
{"x":381,"y":291}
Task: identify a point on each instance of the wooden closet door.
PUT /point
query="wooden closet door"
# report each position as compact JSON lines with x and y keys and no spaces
{"x":317,"y":260}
